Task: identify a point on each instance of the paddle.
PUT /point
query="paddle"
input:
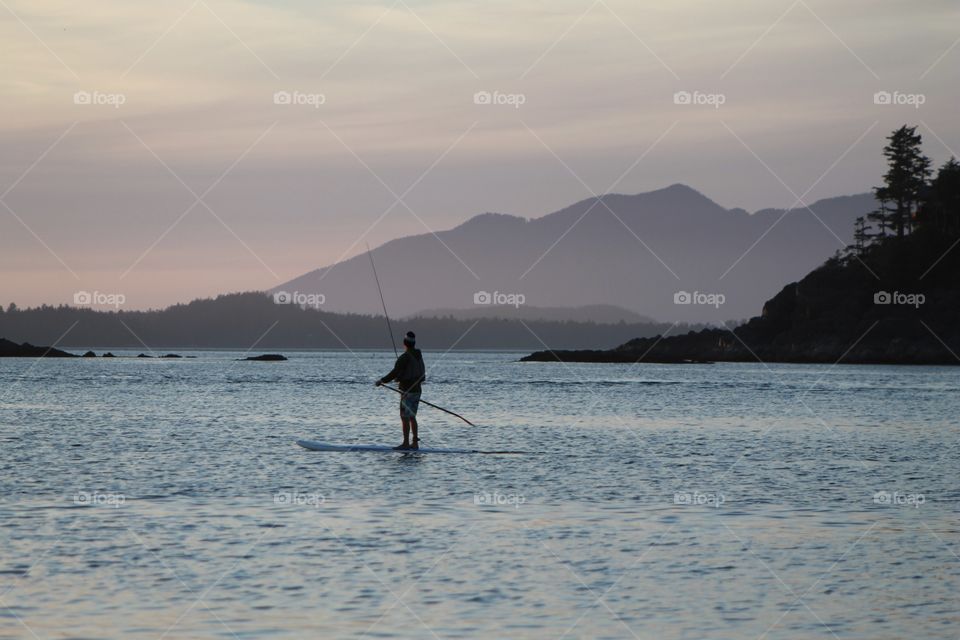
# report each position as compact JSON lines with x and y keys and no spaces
{"x":430,"y":404}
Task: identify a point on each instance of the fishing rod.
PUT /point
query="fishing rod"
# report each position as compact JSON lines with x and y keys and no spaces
{"x":394,"y":342}
{"x":385,"y":314}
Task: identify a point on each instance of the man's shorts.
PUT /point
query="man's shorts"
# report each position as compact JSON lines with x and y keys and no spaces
{"x":409,"y":403}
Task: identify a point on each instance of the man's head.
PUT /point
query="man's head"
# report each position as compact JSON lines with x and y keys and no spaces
{"x":410,"y":340}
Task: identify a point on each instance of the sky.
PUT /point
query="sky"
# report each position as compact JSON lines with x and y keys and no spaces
{"x":180,"y":149}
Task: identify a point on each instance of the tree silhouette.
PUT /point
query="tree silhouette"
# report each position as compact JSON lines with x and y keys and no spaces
{"x":903,"y":183}
{"x":940,"y":212}
{"x":861,"y":237}
{"x":882,"y":217}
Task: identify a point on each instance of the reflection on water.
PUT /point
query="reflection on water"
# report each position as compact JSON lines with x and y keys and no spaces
{"x":148,"y":499}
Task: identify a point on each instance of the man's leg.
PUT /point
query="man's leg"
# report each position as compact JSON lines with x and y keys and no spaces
{"x":406,"y":431}
{"x":413,"y":427}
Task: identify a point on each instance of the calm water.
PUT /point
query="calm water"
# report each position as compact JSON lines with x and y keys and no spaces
{"x":166,"y":499}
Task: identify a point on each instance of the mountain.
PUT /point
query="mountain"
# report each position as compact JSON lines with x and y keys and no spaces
{"x":596,"y":313}
{"x":897,"y":303}
{"x":633,"y":251}
{"x":892,"y":297}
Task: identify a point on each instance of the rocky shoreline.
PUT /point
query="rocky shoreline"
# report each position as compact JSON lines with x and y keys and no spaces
{"x":719,"y":345}
{"x":836,"y":314}
{"x":10,"y":349}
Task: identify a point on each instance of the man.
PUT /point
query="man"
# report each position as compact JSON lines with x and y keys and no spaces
{"x":409,"y":372}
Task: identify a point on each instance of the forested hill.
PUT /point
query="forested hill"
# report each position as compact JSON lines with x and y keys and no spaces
{"x":893,"y":296}
{"x":242,"y":320}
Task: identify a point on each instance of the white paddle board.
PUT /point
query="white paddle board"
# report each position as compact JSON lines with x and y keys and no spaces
{"x":313,"y":445}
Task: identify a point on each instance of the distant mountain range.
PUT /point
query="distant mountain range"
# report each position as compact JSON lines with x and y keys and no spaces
{"x":636,"y":252}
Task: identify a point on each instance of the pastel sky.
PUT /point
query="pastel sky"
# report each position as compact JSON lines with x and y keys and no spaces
{"x":144,"y":151}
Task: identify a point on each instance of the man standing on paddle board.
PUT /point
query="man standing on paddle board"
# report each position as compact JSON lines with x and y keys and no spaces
{"x":409,"y":372}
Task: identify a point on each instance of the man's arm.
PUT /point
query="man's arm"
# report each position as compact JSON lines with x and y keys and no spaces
{"x":398,"y":369}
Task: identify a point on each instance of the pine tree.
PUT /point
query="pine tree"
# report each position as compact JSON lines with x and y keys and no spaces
{"x":904,"y":181}
{"x":881,"y":217}
{"x":861,"y":236}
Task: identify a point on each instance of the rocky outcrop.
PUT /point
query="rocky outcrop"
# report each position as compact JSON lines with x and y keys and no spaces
{"x":10,"y":349}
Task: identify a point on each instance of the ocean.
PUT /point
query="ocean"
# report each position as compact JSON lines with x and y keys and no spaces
{"x":166,"y":498}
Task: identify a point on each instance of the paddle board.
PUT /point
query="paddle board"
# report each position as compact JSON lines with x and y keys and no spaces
{"x":313,"y":445}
